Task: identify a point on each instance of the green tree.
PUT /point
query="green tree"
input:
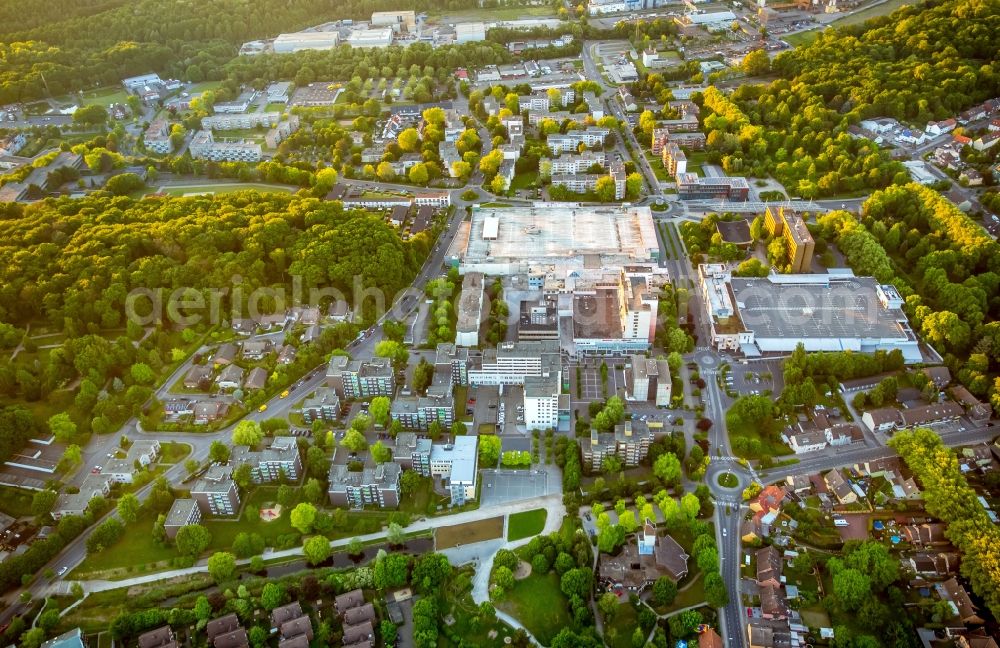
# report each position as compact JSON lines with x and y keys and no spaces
{"x":62,"y":427}
{"x":605,"y":189}
{"x":409,"y":140}
{"x":247,"y":433}
{"x":667,"y":468}
{"x":489,"y":450}
{"x":664,"y":591}
{"x":272,"y":596}
{"x":379,"y":410}
{"x":354,"y":441}
{"x":418,"y":174}
{"x":756,"y":63}
{"x":316,"y":550}
{"x":218,"y":452}
{"x":221,"y":566}
{"x":608,"y":605}
{"x":303,"y":516}
{"x":243,"y":475}
{"x":683,"y":625}
{"x":852,"y":588}
{"x":192,"y":540}
{"x":128,"y":508}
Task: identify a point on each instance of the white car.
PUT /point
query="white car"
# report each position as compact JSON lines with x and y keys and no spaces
{"x":62,"y":570}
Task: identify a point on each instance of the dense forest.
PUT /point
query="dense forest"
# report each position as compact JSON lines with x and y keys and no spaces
{"x":66,"y":45}
{"x":919,"y":64}
{"x":923,"y":62}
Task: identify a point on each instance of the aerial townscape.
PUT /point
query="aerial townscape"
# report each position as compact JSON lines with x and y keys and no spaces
{"x":499,"y":323}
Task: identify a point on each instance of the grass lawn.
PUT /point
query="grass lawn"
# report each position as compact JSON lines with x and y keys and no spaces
{"x":460,"y":534}
{"x":276,"y":107}
{"x":15,"y":502}
{"x":728,"y":480}
{"x":657,"y":164}
{"x":526,"y":524}
{"x":524,"y":180}
{"x":495,"y":204}
{"x":224,"y":188}
{"x":204,"y":86}
{"x":101,"y":96}
{"x":618,"y":633}
{"x":738,"y":428}
{"x":539,"y":604}
{"x":695,"y":159}
{"x":801,"y":38}
{"x":136,"y":552}
{"x":174,"y":452}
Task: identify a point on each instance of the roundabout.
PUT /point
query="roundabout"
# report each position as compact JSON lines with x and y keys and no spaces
{"x":727,"y":479}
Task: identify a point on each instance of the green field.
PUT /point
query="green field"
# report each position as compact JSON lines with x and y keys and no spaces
{"x":526,"y":524}
{"x":173,"y":452}
{"x":618,"y":633}
{"x":524,"y":180}
{"x":204,"y":86}
{"x":224,"y":188}
{"x":135,"y":553}
{"x":101,"y":96}
{"x":539,"y":604}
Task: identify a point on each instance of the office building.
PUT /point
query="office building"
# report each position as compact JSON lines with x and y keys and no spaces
{"x":614,"y":312}
{"x":836,"y":311}
{"x":538,"y":321}
{"x":470,"y":310}
{"x":541,"y":401}
{"x":629,"y":442}
{"x":203,"y":146}
{"x":278,"y":92}
{"x":216,"y":492}
{"x":511,"y":362}
{"x":790,"y":226}
{"x":378,"y":486}
{"x":692,"y":187}
{"x":287,"y":43}
{"x":456,"y":464}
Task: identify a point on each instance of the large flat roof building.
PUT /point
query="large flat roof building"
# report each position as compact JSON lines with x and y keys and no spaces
{"x":836,"y":311}
{"x":506,"y":241}
{"x":457,"y":463}
{"x":286,"y":43}
{"x":470,"y":310}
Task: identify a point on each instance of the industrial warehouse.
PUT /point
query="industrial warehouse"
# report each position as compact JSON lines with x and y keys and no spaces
{"x":836,"y":311}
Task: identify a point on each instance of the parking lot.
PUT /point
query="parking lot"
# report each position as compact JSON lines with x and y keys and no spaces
{"x":503,"y":486}
{"x":590,"y":378}
{"x":756,"y":377}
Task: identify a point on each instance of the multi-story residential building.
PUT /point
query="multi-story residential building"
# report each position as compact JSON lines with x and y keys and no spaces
{"x":573,"y":164}
{"x":269,"y":465}
{"x":183,"y":512}
{"x":419,"y":412}
{"x":790,"y":226}
{"x":77,"y":503}
{"x":536,"y":118}
{"x":511,"y":362}
{"x":577,"y":183}
{"x":618,"y":174}
{"x":204,"y":146}
{"x":241,"y":121}
{"x":629,"y":442}
{"x":413,"y":453}
{"x":321,"y":406}
{"x":674,"y":160}
{"x":449,"y":156}
{"x":457,"y":465}
{"x":645,"y":374}
{"x":378,"y":486}
{"x":453,"y":361}
{"x":659,"y":141}
{"x":541,"y":402}
{"x":356,"y":379}
{"x":216,"y":492}
{"x":594,"y":105}
{"x":570,"y":142}
{"x":157,"y":137}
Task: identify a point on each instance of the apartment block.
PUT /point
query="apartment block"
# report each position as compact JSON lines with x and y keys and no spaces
{"x":183,"y":512}
{"x":204,"y":147}
{"x":157,"y":137}
{"x":629,"y":442}
{"x":356,"y":379}
{"x":570,"y":142}
{"x":674,"y":160}
{"x":216,"y":492}
{"x":419,"y":412}
{"x":790,"y":226}
{"x":241,"y":121}
{"x":378,"y":486}
{"x":324,"y":405}
{"x":453,"y":361}
{"x":268,"y":465}
{"x":580,"y":163}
